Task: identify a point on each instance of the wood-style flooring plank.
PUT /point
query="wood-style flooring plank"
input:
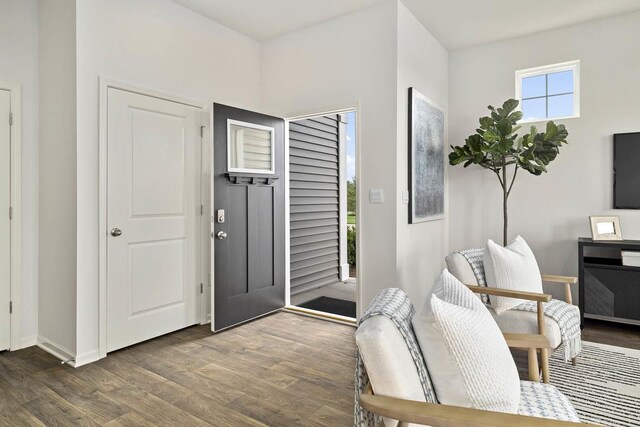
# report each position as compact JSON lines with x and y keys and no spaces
{"x":280,"y":370}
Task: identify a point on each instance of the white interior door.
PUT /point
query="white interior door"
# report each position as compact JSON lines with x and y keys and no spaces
{"x":153,"y":204}
{"x":5,"y":236}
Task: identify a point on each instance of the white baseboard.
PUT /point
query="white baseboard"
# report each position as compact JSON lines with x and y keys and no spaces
{"x":86,"y":358}
{"x":29,"y":341}
{"x":55,"y":349}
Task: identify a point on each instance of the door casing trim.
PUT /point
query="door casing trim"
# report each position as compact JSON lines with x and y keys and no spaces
{"x":355,"y":106}
{"x":104,"y":85}
{"x":15,"y":251}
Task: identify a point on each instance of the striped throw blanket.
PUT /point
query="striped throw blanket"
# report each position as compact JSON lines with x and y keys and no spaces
{"x":567,"y":316}
{"x":394,"y":304}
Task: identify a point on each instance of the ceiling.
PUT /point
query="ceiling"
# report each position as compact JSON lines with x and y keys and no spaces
{"x":455,"y":23}
{"x":264,"y":19}
{"x":464,"y":23}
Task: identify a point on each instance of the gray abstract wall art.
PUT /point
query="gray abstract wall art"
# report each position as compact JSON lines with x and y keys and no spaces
{"x":426,"y":159}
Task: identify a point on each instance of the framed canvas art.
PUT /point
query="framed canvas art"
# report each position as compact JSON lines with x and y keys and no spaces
{"x":426,"y":159}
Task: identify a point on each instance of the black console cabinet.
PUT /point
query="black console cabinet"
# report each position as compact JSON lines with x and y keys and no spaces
{"x":608,"y":289}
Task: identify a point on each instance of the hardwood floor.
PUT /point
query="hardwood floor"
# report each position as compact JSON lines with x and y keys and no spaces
{"x":612,"y":333}
{"x":281,"y":370}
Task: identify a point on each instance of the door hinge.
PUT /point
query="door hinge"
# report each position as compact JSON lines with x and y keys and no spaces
{"x":10,"y":119}
{"x":10,"y":212}
{"x":201,"y":131}
{"x":201,"y":209}
{"x":10,"y":307}
{"x":201,"y":288}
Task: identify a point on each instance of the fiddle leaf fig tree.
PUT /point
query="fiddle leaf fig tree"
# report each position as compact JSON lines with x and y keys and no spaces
{"x":496,"y":146}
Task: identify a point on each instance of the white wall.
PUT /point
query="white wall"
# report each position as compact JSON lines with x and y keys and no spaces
{"x":369,"y":58}
{"x":19,"y":64}
{"x":345,"y":62}
{"x":159,"y":45}
{"x":57,"y":202}
{"x":549,"y":211}
{"x":422,"y":64}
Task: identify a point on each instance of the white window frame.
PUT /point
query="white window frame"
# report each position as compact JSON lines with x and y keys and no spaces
{"x":253,"y":126}
{"x":548,"y":69}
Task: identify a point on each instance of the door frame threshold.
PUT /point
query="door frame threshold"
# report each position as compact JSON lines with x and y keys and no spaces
{"x":336,"y":318}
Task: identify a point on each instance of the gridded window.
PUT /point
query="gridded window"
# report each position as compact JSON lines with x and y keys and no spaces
{"x":549,"y":92}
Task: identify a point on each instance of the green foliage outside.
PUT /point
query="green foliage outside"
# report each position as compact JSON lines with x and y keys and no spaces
{"x":351,"y":196}
{"x":351,"y":219}
{"x":351,"y":245}
{"x":496,"y":146}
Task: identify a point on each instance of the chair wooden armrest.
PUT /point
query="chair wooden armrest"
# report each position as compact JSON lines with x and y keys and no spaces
{"x":530,"y":296}
{"x":559,"y":279}
{"x":535,"y":341}
{"x":434,"y":414}
{"x":567,"y":281}
{"x":532,"y":343}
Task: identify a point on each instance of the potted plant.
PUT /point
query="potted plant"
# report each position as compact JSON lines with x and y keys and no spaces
{"x":496,"y":146}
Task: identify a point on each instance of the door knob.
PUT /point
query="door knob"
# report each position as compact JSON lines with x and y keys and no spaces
{"x":221,"y":235}
{"x":115,"y":232}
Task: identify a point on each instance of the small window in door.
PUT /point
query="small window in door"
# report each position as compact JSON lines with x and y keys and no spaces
{"x":249,"y":147}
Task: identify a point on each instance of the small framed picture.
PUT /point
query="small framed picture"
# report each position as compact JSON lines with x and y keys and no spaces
{"x":605,"y":228}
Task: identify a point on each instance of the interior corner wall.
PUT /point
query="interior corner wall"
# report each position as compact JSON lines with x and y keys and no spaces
{"x":345,"y":62}
{"x":19,"y":64}
{"x":550,"y":211}
{"x":423,"y":65}
{"x":57,"y":175}
{"x":162,"y":46}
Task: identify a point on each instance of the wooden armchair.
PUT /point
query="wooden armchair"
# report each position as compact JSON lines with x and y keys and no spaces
{"x":389,"y":366}
{"x":519,"y":322}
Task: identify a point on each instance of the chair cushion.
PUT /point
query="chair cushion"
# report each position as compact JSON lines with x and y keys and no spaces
{"x":524,"y":322}
{"x":389,"y":364}
{"x":545,"y":401}
{"x":513,"y":267}
{"x":466,"y":354}
{"x":458,"y":265}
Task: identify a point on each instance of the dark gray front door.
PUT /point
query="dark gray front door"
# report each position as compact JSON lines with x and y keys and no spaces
{"x":248,"y":215}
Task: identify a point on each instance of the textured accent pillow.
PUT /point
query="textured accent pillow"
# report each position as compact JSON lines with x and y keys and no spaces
{"x":513,"y":267}
{"x":467,"y":357}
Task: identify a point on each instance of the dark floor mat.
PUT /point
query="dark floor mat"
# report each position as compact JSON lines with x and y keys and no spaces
{"x":331,"y":305}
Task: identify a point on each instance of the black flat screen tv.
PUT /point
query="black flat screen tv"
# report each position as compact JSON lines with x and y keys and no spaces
{"x":626,"y":170}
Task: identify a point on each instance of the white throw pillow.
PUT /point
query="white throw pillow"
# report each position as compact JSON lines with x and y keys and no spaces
{"x":513,"y":267}
{"x":467,"y":357}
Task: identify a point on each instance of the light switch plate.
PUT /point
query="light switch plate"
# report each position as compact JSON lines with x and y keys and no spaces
{"x":376,"y":195}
